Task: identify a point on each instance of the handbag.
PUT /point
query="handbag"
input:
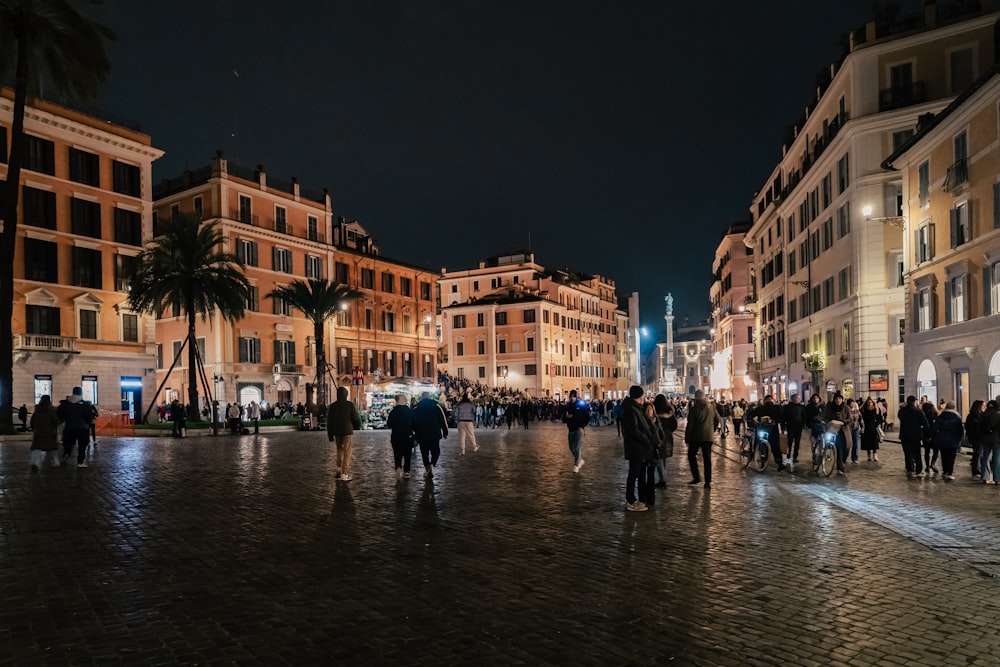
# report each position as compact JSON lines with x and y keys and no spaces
{"x":879,"y":433}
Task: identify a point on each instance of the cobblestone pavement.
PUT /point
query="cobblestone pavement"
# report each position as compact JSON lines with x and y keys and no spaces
{"x":245,"y":550}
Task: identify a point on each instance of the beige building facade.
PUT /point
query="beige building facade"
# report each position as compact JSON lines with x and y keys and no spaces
{"x":733,"y":357}
{"x":85,"y":211}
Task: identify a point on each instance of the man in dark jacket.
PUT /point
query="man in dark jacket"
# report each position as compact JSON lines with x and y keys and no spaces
{"x":576,"y":416}
{"x":948,"y":430}
{"x":77,"y":414}
{"x":640,"y":442}
{"x":400,"y":424}
{"x":430,"y":426}
{"x":913,"y":428}
{"x":341,"y":420}
{"x":794,"y":419}
{"x":768,"y":415}
{"x":702,"y":422}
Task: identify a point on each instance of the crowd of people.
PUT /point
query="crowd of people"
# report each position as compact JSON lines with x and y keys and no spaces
{"x":66,"y":426}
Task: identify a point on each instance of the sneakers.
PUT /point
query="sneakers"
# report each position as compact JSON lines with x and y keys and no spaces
{"x":345,"y":477}
{"x":695,"y":481}
{"x":430,"y":472}
{"x":637,"y":506}
{"x":399,"y":474}
{"x":462,"y":453}
{"x":81,"y":465}
{"x":476,"y":448}
{"x":579,"y":464}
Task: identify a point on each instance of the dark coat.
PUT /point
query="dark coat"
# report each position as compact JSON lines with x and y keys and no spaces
{"x":639,"y":434}
{"x":913,"y":424}
{"x":870,"y":420}
{"x":400,"y":423}
{"x":429,"y":423}
{"x":794,"y":415}
{"x":341,"y":417}
{"x":948,"y":430}
{"x":45,"y":426}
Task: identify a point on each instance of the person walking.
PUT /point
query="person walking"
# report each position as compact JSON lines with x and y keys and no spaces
{"x":769,"y":415}
{"x":400,"y":424}
{"x":44,"y":434}
{"x":947,"y":433}
{"x":233,"y":415}
{"x":430,"y":427}
{"x":702,"y":423}
{"x":973,"y":436}
{"x":930,"y":449}
{"x":739,"y":410}
{"x":342,"y":419}
{"x":22,"y":415}
{"x":465,"y":416}
{"x":76,"y":414}
{"x":989,"y":437}
{"x":837,"y":410}
{"x":667,"y":420}
{"x":871,"y":420}
{"x":253,"y":414}
{"x":855,"y":428}
{"x":794,"y":418}
{"x":913,"y":428}
{"x":576,"y":416}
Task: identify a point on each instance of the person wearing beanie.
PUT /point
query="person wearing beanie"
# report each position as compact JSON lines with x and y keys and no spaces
{"x":576,"y":416}
{"x":947,"y":434}
{"x":702,"y":423}
{"x":640,"y":441}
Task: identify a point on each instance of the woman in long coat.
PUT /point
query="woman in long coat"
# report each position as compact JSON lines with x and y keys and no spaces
{"x":871,"y":419}
{"x":45,"y":434}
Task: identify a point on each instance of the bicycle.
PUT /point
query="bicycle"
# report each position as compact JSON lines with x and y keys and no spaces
{"x":824,"y":451}
{"x":754,"y":446}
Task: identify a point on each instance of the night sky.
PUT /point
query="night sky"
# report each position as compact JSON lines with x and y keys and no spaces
{"x":617,"y":138}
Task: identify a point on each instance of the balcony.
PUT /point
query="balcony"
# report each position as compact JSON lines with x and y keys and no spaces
{"x":956,"y":176}
{"x":44,"y":343}
{"x":288,"y":369}
{"x":903,"y":95}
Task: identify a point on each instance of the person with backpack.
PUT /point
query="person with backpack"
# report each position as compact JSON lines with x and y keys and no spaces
{"x":576,"y":416}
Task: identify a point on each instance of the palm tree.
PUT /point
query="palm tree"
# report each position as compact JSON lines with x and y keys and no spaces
{"x":184,"y":269}
{"x":318,"y":300}
{"x":40,"y":40}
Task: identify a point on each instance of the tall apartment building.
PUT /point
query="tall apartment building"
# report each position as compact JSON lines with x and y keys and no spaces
{"x":285,"y":232}
{"x":510,"y":322}
{"x":85,"y":210}
{"x":951,"y":193}
{"x":827,"y":225}
{"x":733,"y":361}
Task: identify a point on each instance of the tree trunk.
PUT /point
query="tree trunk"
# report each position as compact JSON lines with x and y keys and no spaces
{"x":8,"y":214}
{"x":193,"y":414}
{"x":321,"y":398}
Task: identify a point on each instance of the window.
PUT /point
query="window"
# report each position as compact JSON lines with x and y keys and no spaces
{"x":827,"y":234}
{"x":482,"y":371}
{"x":924,"y":184}
{"x":502,"y":346}
{"x":85,"y":218}
{"x":828,"y":292}
{"x":530,"y":343}
{"x":130,"y":328}
{"x":124,"y":266}
{"x":991,"y":275}
{"x":128,"y":227}
{"x":284,"y":352}
{"x":897,"y":329}
{"x":41,"y":260}
{"x":924,"y":315}
{"x":369,"y":318}
{"x":312,"y":228}
{"x":249,"y":350}
{"x":458,"y":321}
{"x":996,"y":206}
{"x":88,"y":324}
{"x":159,"y":355}
{"x":198,"y":207}
{"x":405,"y":286}
{"x":388,"y":321}
{"x":84,"y":167}
{"x":368,"y":278}
{"x":125,"y":178}
{"x":481,"y":347}
{"x":843,"y":173}
{"x":246,"y":252}
{"x":38,"y":207}
{"x":793,"y":351}
{"x":793,"y":310}
{"x":253,"y":299}
{"x":280,"y":306}
{"x":792,"y":268}
{"x":530,"y":369}
{"x":829,"y":341}
{"x":956,"y":294}
{"x":843,"y":221}
{"x":340,"y":273}
{"x":425,"y":291}
{"x":827,"y":190}
{"x":501,"y":318}
{"x":281,"y":259}
{"x":87,"y":267}
{"x":529,"y":316}
{"x":896,"y":269}
{"x":388,"y":282}
{"x":314,"y":267}
{"x":40,"y":155}
{"x":844,"y":283}
{"x":899,"y":138}
{"x":246,"y":210}
{"x":924,"y":243}
{"x":42,"y":320}
{"x":845,"y":337}
{"x":480,"y":319}
{"x":959,"y":219}
{"x":459,"y":349}
{"x":280,"y":220}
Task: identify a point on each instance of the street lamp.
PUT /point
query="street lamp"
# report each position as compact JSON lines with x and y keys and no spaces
{"x":639,"y":332}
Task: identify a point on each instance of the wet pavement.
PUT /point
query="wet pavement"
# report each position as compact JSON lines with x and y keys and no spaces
{"x":245,"y":551}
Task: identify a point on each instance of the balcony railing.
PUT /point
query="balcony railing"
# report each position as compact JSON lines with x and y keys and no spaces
{"x":957,"y":175}
{"x":901,"y":96}
{"x":44,"y":343}
{"x":288,"y":369}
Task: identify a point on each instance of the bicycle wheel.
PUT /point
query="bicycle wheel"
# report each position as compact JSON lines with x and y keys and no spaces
{"x":827,"y":460}
{"x":746,"y":451}
{"x":760,"y":455}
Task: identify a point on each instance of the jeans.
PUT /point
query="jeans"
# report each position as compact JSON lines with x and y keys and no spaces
{"x":911,"y":452}
{"x":841,"y":449}
{"x":995,"y":451}
{"x":402,"y":452}
{"x":659,"y":470}
{"x":794,"y":440}
{"x":430,"y":452}
{"x":636,"y":477}
{"x":706,"y":454}
{"x":575,"y":437}
{"x":856,"y":435}
{"x":948,"y":461}
{"x":79,"y":437}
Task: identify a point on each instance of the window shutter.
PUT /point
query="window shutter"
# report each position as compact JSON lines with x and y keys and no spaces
{"x":240,"y":254}
{"x":966,"y":297}
{"x":947,"y":300}
{"x":291,"y":352}
{"x":953,"y":220}
{"x":244,"y":353}
{"x":996,"y":206}
{"x":277,"y":352}
{"x":916,"y":247}
{"x":988,"y":287}
{"x":934,"y":308}
{"x":916,"y":311}
{"x":253,"y":253}
{"x":930,"y":241}
{"x":274,"y":259}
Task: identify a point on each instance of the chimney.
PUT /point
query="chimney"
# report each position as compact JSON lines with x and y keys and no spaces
{"x":261,"y":177}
